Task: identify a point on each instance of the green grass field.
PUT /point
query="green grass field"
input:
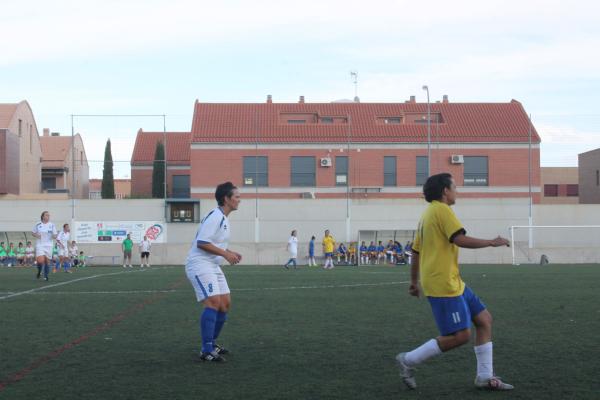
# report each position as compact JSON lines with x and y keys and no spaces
{"x":305,"y":334}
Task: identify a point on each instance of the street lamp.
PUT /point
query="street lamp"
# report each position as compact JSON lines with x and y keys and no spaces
{"x":426,"y":88}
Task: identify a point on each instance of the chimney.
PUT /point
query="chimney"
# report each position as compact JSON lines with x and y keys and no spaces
{"x":412,"y":99}
{"x":356,"y":99}
{"x":269,"y":99}
{"x":46,"y":132}
{"x":301,"y":100}
{"x":445,"y":99}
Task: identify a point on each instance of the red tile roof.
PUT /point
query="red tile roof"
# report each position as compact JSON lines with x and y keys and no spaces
{"x":55,"y":150}
{"x":462,"y":122}
{"x":178,"y":147}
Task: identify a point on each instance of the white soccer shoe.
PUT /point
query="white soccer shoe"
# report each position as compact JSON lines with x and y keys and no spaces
{"x":407,"y":373}
{"x":493,"y":383}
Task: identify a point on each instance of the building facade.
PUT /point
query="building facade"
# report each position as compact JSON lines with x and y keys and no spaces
{"x":177,"y":146}
{"x":65,"y":167}
{"x":363,"y":150}
{"x":589,"y":177}
{"x":122,"y":188}
{"x":560,"y":185}
{"x":20,"y":151}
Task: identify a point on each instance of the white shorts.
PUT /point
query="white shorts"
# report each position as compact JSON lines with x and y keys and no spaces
{"x":63,"y":252}
{"x":208,"y":283}
{"x":43,"y":251}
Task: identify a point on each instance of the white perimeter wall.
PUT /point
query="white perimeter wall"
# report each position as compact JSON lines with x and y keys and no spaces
{"x":485,"y":218}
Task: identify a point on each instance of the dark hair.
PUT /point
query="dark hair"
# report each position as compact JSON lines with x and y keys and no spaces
{"x":224,"y":190}
{"x":312,"y":238}
{"x":293,"y":232}
{"x":65,"y":225}
{"x":42,"y":216}
{"x":433,"y":189}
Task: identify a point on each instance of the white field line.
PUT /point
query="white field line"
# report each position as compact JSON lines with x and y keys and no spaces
{"x":233,"y":290}
{"x":34,"y":290}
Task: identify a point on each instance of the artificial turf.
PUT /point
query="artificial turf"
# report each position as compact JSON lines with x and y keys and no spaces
{"x":298,"y":334}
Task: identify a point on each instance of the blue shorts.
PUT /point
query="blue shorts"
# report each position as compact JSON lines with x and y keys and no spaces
{"x":328,"y":254}
{"x":453,"y":314}
{"x":311,"y":253}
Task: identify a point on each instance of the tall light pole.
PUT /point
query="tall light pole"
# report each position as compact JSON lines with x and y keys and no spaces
{"x":426,"y":88}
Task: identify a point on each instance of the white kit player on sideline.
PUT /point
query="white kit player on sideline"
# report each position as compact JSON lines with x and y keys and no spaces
{"x":202,"y":268}
{"x":44,"y":232}
{"x":145,"y":252}
{"x":62,"y":241}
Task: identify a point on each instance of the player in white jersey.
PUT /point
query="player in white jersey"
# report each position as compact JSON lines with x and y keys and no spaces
{"x":209,"y":250}
{"x":145,"y":252}
{"x":44,"y":232}
{"x":292,"y":248}
{"x":62,"y":240}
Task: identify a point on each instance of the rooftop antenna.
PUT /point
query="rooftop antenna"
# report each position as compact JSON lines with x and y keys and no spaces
{"x":354,"y":77}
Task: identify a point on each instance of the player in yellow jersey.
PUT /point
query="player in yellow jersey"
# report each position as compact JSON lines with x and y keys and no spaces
{"x":454,"y":305}
{"x":328,"y":246}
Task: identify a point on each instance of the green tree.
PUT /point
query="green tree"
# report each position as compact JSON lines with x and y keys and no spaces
{"x":158,"y":171}
{"x":108,"y":183}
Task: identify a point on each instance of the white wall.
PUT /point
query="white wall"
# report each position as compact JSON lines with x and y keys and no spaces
{"x":482,"y":218}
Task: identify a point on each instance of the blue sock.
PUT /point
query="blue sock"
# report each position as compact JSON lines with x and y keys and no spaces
{"x":46,"y":270}
{"x":207,"y":328}
{"x":221,"y":318}
{"x":39,"y":267}
{"x":66,"y":266}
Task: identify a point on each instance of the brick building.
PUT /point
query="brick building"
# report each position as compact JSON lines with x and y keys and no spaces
{"x":20,"y":152}
{"x":177,"y":145}
{"x":332,"y":150}
{"x":65,"y":167}
{"x":122,"y":188}
{"x":560,"y":185}
{"x":379,"y":150}
{"x":589,"y":177}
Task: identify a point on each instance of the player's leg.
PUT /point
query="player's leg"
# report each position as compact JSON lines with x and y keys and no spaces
{"x":224,"y":306}
{"x":206,"y":287}
{"x":453,"y":320}
{"x":40,"y":259}
{"x":483,"y":344}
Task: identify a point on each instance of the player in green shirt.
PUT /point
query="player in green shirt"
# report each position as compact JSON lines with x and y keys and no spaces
{"x":3,"y":256}
{"x":127,"y":246}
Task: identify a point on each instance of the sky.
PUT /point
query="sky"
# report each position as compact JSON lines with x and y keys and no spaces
{"x":156,"y":57}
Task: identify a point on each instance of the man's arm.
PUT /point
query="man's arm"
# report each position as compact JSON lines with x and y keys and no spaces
{"x":413,"y":290}
{"x":230,"y":256}
{"x":468,"y":242}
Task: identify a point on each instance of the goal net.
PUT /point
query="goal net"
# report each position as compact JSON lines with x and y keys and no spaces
{"x":563,"y":244}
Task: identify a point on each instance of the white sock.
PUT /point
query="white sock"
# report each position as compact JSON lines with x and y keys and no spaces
{"x":485,"y":364}
{"x":423,"y":352}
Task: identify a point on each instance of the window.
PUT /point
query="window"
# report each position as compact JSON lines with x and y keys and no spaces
{"x":181,"y":186}
{"x":327,"y":120}
{"x":49,"y":183}
{"x":20,"y":128}
{"x":573,"y":190}
{"x":341,"y":170}
{"x":393,"y":120}
{"x":476,"y":171}
{"x":256,"y":171}
{"x":296,"y":121}
{"x":303,"y":171}
{"x":597,"y":177}
{"x":389,"y":171}
{"x":550,"y":190}
{"x":182,"y":212}
{"x":422,"y":174}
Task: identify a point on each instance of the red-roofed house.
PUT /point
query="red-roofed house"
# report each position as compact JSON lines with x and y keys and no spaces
{"x":177,"y":145}
{"x":64,"y":164}
{"x":375,"y":150}
{"x":20,"y":152}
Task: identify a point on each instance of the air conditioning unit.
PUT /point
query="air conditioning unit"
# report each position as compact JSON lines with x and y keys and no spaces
{"x":307,"y":195}
{"x":457,"y":159}
{"x":326,"y":162}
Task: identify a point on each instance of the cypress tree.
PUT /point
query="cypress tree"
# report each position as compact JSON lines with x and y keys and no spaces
{"x":108,"y":183}
{"x":158,"y":171}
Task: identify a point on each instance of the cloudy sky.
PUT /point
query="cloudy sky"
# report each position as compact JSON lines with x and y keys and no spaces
{"x":158,"y":57}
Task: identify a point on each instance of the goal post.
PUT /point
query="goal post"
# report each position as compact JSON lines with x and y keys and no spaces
{"x":572,"y":244}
